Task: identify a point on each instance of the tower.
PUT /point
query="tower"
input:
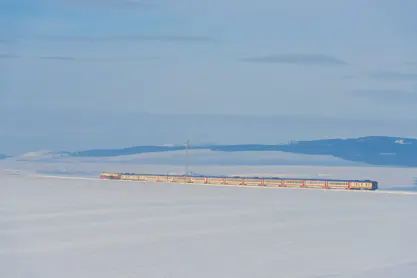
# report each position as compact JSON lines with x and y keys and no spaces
{"x":187,"y":145}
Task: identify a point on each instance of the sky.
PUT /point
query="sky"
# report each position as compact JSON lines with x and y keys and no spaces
{"x":113,"y":73}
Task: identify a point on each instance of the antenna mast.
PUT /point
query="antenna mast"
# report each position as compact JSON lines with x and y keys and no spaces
{"x":187,"y":145}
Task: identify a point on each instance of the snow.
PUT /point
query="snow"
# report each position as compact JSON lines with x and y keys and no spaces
{"x":196,"y":157}
{"x":388,"y":177}
{"x":66,"y":227}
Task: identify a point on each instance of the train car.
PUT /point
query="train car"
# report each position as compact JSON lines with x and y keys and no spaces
{"x":179,"y":179}
{"x":293,"y":183}
{"x":214,"y":180}
{"x":132,"y":177}
{"x":315,"y":184}
{"x":155,"y":178}
{"x":234,"y":181}
{"x":273,"y":182}
{"x":253,"y":181}
{"x":364,"y":185}
{"x":110,"y":176}
{"x":200,"y":180}
{"x":338,"y":184}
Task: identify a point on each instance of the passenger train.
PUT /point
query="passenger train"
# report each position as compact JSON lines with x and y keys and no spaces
{"x":254,"y":181}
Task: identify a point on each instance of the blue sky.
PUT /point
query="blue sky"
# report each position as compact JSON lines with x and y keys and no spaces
{"x":74,"y":72}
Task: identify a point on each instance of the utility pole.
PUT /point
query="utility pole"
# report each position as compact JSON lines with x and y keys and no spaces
{"x":187,"y":144}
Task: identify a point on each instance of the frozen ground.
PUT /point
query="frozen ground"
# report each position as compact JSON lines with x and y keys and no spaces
{"x":90,"y":228}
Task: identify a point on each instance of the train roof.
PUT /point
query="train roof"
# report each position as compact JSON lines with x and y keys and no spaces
{"x":247,"y":177}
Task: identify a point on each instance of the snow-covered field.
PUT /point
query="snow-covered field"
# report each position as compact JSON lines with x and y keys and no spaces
{"x":90,"y":228}
{"x":211,"y":162}
{"x":388,"y":177}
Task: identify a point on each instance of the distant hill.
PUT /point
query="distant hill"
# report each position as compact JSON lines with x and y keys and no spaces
{"x":3,"y":156}
{"x":372,"y":150}
{"x":129,"y":151}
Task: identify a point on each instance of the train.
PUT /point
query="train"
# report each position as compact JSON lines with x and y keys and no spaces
{"x":248,"y":181}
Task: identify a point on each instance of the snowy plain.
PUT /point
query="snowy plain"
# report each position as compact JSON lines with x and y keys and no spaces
{"x":212,"y":162}
{"x":82,"y":227}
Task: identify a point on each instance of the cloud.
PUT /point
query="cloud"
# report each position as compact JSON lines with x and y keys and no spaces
{"x":162,"y":38}
{"x":59,"y":58}
{"x":96,"y":59}
{"x":128,"y":4}
{"x":9,"y":40}
{"x":7,"y":56}
{"x":301,"y":59}
{"x":392,"y":75}
{"x":82,"y":59}
{"x":387,"y":96}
